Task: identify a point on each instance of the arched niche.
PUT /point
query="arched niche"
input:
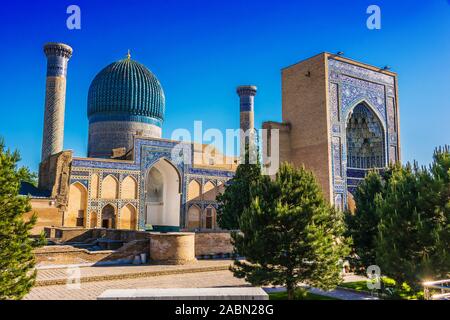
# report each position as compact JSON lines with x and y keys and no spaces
{"x":194,"y":190}
{"x":209,"y":191}
{"x":110,"y":187}
{"x":128,"y":217}
{"x":365,"y":139}
{"x":77,"y":206}
{"x":162,"y":196}
{"x":109,"y":217}
{"x":194,"y":217}
{"x":129,"y":188}
{"x":210,"y":217}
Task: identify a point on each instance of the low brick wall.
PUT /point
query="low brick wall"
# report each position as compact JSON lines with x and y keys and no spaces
{"x":66,"y":254}
{"x":65,"y":234}
{"x":213,"y":242}
{"x":61,"y":255}
{"x":135,"y":243}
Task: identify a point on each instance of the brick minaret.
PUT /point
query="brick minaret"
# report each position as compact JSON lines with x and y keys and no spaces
{"x":58,"y":54}
{"x":247,"y":122}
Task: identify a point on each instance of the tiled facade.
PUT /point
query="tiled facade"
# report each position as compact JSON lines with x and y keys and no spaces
{"x":147,"y":152}
{"x":335,"y":108}
{"x":351,"y":85}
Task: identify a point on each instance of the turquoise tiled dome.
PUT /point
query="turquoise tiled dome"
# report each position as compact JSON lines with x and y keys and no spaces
{"x":126,"y":91}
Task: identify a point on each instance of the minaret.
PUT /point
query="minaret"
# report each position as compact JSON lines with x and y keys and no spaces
{"x":58,"y":55}
{"x":247,"y":119}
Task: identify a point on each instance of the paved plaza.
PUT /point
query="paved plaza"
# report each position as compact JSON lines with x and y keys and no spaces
{"x":90,"y":290}
{"x":60,"y":284}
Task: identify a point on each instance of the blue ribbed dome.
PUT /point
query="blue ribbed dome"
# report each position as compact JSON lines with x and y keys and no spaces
{"x":126,"y":91}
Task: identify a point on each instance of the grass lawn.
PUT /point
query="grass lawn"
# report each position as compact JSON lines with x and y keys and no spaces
{"x":401,"y":294}
{"x":300,"y":295}
{"x":357,"y":285}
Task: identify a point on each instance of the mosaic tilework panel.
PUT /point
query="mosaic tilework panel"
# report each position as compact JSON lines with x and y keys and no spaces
{"x":393,"y":154}
{"x":340,"y":67}
{"x":334,"y":97}
{"x":338,"y":201}
{"x":350,"y":85}
{"x":337,"y":160}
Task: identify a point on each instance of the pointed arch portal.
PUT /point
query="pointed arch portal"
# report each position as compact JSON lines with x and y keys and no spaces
{"x":163,"y":196}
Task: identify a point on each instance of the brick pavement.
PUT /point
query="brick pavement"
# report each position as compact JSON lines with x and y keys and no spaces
{"x":90,"y":290}
{"x":101,"y":273}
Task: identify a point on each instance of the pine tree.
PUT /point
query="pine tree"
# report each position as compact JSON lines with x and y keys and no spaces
{"x":16,"y":256}
{"x":290,"y":234}
{"x":440,"y":206}
{"x":362,"y":225}
{"x":413,"y":241}
{"x":238,"y":194}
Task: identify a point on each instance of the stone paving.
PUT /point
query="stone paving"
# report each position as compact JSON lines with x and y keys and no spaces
{"x":90,"y":290}
{"x":47,"y":277}
{"x":54,"y":284}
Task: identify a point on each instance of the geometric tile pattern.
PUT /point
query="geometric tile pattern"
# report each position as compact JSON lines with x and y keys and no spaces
{"x":349,"y":86}
{"x":147,"y":152}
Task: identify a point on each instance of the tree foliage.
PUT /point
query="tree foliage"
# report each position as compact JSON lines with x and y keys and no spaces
{"x":413,"y":241}
{"x":290,"y":234}
{"x":16,"y":256}
{"x":237,"y":196}
{"x":362,"y":225}
{"x":402,"y":221}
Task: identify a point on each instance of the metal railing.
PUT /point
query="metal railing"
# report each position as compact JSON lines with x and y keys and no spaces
{"x":442,"y":286}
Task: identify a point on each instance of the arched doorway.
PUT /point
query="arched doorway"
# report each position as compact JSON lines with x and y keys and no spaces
{"x":365,"y":139}
{"x":109,"y":217}
{"x":194,"y":214}
{"x":162,"y":196}
{"x":128,"y":217}
{"x":76,"y":209}
{"x":210,"y":217}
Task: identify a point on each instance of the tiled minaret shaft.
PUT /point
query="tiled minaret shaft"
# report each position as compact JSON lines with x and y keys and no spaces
{"x":58,"y":55}
{"x":247,"y":118}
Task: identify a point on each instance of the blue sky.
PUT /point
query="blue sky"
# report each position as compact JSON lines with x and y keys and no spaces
{"x":201,"y":50}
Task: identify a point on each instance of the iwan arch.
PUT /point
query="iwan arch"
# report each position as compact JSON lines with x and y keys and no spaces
{"x":340,"y":119}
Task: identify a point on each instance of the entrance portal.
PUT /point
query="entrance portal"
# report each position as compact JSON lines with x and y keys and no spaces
{"x":163,"y":197}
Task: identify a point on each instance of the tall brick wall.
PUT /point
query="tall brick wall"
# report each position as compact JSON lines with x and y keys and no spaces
{"x":304,"y":99}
